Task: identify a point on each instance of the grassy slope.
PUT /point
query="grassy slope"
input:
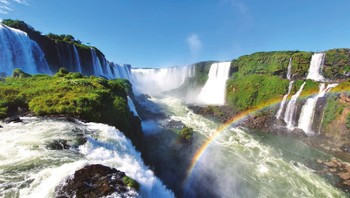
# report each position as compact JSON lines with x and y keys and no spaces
{"x":88,"y":98}
{"x":261,"y":77}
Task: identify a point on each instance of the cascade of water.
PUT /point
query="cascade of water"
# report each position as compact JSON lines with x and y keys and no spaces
{"x":289,"y":69}
{"x":156,"y":81}
{"x":279,"y":112}
{"x":308,"y":111}
{"x":19,"y":51}
{"x":213,"y":92}
{"x":77,"y":59}
{"x":288,"y":115}
{"x":132,"y":107}
{"x":316,"y":65}
{"x":96,"y":63}
{"x":38,"y":169}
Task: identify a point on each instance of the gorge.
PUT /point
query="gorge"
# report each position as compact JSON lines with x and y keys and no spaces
{"x":233,"y":149}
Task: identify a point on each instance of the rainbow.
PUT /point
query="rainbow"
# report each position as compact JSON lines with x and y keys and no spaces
{"x":237,"y":118}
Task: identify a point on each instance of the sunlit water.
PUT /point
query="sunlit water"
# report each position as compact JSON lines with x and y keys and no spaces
{"x":241,"y":164}
{"x":29,"y":169}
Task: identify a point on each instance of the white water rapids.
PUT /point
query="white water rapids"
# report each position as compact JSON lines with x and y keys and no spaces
{"x":239,"y":164}
{"x":29,"y":169}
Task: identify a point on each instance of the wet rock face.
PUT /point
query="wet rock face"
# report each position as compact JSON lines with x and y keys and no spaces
{"x":12,"y":119}
{"x":58,"y":145}
{"x":95,"y":181}
{"x":337,"y":169}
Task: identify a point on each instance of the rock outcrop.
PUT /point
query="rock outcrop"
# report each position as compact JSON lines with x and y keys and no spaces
{"x":96,"y":181}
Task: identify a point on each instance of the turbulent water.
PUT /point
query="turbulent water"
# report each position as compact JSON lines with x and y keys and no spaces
{"x":19,"y":51}
{"x":240,"y":164}
{"x":29,"y":169}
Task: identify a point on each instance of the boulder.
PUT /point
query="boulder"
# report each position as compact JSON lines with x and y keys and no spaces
{"x":12,"y":119}
{"x":58,"y":145}
{"x":344,"y":175}
{"x":95,"y":181}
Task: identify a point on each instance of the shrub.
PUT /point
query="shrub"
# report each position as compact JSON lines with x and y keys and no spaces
{"x":131,"y":183}
{"x":186,"y":134}
{"x":332,"y":110}
{"x":18,"y":73}
{"x":347,"y":124}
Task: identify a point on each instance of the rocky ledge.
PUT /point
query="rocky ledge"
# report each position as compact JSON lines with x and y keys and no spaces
{"x":97,"y":181}
{"x":338,"y":170}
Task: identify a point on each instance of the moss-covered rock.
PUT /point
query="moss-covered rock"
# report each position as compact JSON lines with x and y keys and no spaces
{"x":185,"y":135}
{"x":18,"y":73}
{"x":98,"y":181}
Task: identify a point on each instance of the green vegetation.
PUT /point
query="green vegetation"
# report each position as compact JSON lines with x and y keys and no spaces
{"x":66,"y":38}
{"x":261,"y":78}
{"x":332,"y":110}
{"x":337,"y":63}
{"x":310,"y":88}
{"x":201,"y":71}
{"x":91,"y":99}
{"x":273,"y":63}
{"x":17,"y":24}
{"x":347,"y":123}
{"x":63,"y":38}
{"x":342,"y":87}
{"x":186,"y":134}
{"x":254,"y":90}
{"x":131,"y":183}
{"x":17,"y":73}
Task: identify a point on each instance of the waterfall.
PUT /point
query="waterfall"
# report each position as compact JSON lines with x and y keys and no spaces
{"x":308,"y":111}
{"x":132,"y":107}
{"x":213,"y":92}
{"x":288,"y":115}
{"x":289,"y":69}
{"x":19,"y":51}
{"x":29,"y":168}
{"x":156,"y":81}
{"x":77,"y":59}
{"x":316,"y":65}
{"x":96,"y":63}
{"x":279,"y":112}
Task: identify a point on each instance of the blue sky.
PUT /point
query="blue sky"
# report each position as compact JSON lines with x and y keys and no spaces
{"x":162,"y":33}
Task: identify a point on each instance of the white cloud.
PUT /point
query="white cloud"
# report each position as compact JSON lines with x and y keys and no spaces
{"x":238,"y":5}
{"x":5,"y":5}
{"x":194,"y":43}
